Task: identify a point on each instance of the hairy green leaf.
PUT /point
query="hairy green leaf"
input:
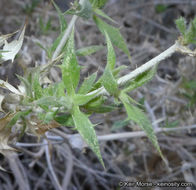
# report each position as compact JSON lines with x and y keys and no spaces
{"x":98,"y":3}
{"x":64,"y":119}
{"x":50,"y":90}
{"x":117,"y":70}
{"x":63,"y":23}
{"x":36,"y":87}
{"x":81,"y":99}
{"x":88,"y":50}
{"x":17,"y":116}
{"x":111,"y":57}
{"x":101,"y":13}
{"x":87,"y":84}
{"x":86,"y":130}
{"x":60,"y":89}
{"x":113,"y":33}
{"x":138,"y":116}
{"x":101,"y":109}
{"x":119,"y":124}
{"x":141,"y":79}
{"x":49,"y":116}
{"x":86,"y":10}
{"x":70,"y":68}
{"x":83,"y":10}
{"x":98,"y":105}
{"x":190,"y":36}
{"x":47,"y":101}
{"x":181,"y":25}
{"x":27,"y":85}
{"x":108,"y":80}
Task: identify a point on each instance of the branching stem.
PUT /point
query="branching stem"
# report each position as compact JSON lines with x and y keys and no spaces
{"x":63,"y":41}
{"x":156,"y":60}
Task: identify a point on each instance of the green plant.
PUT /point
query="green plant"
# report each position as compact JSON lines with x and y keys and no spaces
{"x":67,"y":103}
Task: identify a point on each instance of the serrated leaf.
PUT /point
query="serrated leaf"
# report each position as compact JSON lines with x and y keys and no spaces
{"x":117,"y":70}
{"x":97,"y":102}
{"x":141,"y":79}
{"x":63,"y":23}
{"x":49,"y":116}
{"x":47,"y":101}
{"x":81,"y":99}
{"x":26,"y":84}
{"x":12,"y":48}
{"x":100,"y":109}
{"x":36,"y":87}
{"x":88,"y":50}
{"x":50,"y":90}
{"x":86,"y":11}
{"x":86,"y":130}
{"x":70,"y":68}
{"x":83,"y":10}
{"x":16,"y":117}
{"x":119,"y":124}
{"x":60,"y":89}
{"x":111,"y":57}
{"x":64,"y":119}
{"x":97,"y":105}
{"x":98,"y":3}
{"x":108,"y":80}
{"x":48,"y":51}
{"x":190,"y":35}
{"x":87,"y":84}
{"x":138,"y":116}
{"x":114,"y":34}
{"x":101,"y":13}
{"x":66,"y":101}
{"x":181,"y":25}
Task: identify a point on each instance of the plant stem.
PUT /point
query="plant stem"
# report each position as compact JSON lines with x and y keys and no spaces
{"x":62,"y":42}
{"x":65,"y":37}
{"x":121,"y":81}
{"x":167,"y":53}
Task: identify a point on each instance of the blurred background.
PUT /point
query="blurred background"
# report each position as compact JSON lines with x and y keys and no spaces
{"x":169,"y":100}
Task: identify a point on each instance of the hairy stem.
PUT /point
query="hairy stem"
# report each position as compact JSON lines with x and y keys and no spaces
{"x":62,"y":42}
{"x":167,"y":53}
{"x":156,"y":60}
{"x":65,"y":37}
